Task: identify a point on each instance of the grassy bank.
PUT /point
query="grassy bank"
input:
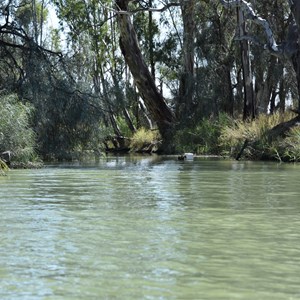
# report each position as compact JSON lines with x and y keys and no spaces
{"x":226,"y":136}
{"x":222,"y":136}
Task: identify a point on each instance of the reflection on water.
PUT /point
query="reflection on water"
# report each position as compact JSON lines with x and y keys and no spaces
{"x":151,"y":228}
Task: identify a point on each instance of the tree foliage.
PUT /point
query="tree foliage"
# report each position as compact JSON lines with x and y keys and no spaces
{"x":16,"y":133}
{"x":112,"y":67}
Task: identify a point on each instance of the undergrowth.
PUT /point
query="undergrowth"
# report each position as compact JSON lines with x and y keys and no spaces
{"x":260,"y":147}
{"x":226,"y":136}
{"x":203,"y":139}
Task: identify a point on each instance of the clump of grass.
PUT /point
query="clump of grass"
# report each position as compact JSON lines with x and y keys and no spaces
{"x":260,"y":145}
{"x":291,"y":145}
{"x":143,"y":138}
{"x":3,"y":167}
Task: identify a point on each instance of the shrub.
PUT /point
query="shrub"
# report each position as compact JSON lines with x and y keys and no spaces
{"x":204,"y":138}
{"x":143,"y":138}
{"x":15,"y":132}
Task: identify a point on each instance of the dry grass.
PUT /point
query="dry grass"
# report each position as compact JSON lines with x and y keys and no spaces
{"x":143,"y":138}
{"x":233,"y":137}
{"x":3,"y":167}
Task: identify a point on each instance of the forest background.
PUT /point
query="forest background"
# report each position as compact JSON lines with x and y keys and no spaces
{"x":209,"y":77}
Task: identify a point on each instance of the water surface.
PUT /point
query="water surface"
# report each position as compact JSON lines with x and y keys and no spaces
{"x":151,"y":228}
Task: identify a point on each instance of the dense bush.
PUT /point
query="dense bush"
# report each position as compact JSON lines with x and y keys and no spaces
{"x":15,"y":132}
{"x":203,"y":138}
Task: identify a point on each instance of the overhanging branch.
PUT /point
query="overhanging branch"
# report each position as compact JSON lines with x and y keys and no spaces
{"x":120,"y":11}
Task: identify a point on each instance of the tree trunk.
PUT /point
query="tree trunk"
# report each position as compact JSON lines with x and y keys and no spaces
{"x":187,"y":81}
{"x":154,"y":101}
{"x":293,"y":42}
{"x":274,"y":133}
{"x":249,"y":107}
{"x":291,"y":49}
{"x":151,"y":42}
{"x":296,"y":65}
{"x":283,"y":128}
{"x":144,"y":120}
{"x":273,"y":101}
{"x":227,"y":104}
{"x":129,"y":120}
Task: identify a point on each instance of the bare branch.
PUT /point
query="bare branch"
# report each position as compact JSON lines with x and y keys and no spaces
{"x":251,"y":15}
{"x":249,"y":38}
{"x":11,"y":30}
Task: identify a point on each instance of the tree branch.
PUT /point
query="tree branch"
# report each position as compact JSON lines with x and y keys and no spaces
{"x":251,"y":15}
{"x":152,"y":9}
{"x":250,"y":38}
{"x":130,"y":12}
{"x":12,"y":30}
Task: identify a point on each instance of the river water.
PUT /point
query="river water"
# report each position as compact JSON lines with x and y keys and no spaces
{"x":151,"y":228}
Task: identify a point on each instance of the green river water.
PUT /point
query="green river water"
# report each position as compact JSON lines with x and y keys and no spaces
{"x":151,"y":228}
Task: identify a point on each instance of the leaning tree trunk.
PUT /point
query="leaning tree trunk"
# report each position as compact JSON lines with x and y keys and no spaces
{"x":154,"y":101}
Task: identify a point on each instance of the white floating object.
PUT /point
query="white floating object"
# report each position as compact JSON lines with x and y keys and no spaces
{"x":189,"y":156}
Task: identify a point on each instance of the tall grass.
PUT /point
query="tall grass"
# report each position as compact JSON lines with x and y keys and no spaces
{"x":144,"y":138}
{"x":3,"y":167}
{"x":291,"y":145}
{"x":226,"y":136}
{"x":260,"y":146}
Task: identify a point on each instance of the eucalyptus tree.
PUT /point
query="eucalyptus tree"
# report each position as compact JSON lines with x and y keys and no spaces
{"x":93,"y":40}
{"x":65,"y":115}
{"x":274,"y":74}
{"x":146,"y":55}
{"x":154,"y":100}
{"x":187,"y":99}
{"x":216,"y":62}
{"x":187,"y":80}
{"x":16,"y":40}
{"x":288,"y":46}
{"x":31,"y":15}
